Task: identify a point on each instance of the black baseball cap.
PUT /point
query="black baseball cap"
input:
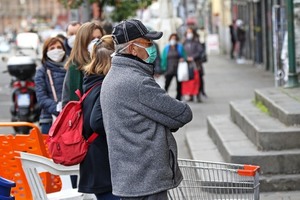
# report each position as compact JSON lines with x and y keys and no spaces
{"x":131,"y":29}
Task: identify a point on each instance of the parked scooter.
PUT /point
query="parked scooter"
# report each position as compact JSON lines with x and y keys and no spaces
{"x":25,"y":107}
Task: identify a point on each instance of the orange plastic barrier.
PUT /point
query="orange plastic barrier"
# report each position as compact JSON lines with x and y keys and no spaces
{"x":11,"y":168}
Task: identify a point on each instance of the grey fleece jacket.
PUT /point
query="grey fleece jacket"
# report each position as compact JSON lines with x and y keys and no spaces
{"x":138,"y":116}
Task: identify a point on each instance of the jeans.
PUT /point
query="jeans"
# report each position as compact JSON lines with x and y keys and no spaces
{"x":45,"y":127}
{"x":158,"y":196}
{"x":106,"y":196}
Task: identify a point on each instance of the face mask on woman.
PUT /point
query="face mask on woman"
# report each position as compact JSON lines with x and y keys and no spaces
{"x":189,"y":36}
{"x":71,"y":41}
{"x":151,"y":51}
{"x":91,"y":45}
{"x":56,"y":55}
{"x":172,"y":42}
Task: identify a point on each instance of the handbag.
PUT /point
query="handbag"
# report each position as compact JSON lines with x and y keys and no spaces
{"x":182,"y":71}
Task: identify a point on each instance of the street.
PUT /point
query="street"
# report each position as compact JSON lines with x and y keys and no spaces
{"x":6,"y":90}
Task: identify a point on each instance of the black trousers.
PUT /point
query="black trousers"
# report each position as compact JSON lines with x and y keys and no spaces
{"x":232,"y":49}
{"x":178,"y":85}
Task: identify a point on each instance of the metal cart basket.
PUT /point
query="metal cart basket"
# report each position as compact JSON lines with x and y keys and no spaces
{"x":216,"y":181}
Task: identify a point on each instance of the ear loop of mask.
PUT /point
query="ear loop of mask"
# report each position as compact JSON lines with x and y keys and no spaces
{"x":114,"y":53}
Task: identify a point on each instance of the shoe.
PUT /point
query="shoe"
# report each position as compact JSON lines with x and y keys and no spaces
{"x":198,"y":98}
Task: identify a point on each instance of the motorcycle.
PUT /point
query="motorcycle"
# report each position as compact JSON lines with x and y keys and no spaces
{"x":25,"y":107}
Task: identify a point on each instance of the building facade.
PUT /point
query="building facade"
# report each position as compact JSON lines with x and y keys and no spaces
{"x":22,"y":15}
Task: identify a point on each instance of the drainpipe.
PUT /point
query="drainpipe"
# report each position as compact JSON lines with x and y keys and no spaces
{"x":292,"y":77}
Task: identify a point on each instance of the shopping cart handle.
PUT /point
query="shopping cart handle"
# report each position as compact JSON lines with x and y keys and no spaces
{"x":249,"y":170}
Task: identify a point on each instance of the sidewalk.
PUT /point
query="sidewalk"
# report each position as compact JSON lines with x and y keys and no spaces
{"x":225,"y":80}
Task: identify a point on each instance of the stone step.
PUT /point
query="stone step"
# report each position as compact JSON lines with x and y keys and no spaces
{"x":281,"y":182}
{"x":266,"y":132}
{"x":283,"y":104}
{"x":235,"y":147}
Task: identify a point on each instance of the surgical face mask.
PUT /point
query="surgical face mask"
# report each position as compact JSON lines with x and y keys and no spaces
{"x":56,"y":55}
{"x":189,"y":36}
{"x":151,"y":51}
{"x":71,"y":41}
{"x":172,"y":42}
{"x":91,"y":45}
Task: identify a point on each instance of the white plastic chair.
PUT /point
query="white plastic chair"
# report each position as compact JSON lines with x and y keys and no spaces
{"x":34,"y":164}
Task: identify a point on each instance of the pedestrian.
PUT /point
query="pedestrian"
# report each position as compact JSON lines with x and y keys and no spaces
{"x":94,"y":169}
{"x":139,"y":117}
{"x":233,"y":38}
{"x":202,"y":36}
{"x":173,"y":53}
{"x":78,"y":58}
{"x":241,"y":36}
{"x":194,"y":51}
{"x":71,"y":31}
{"x":51,"y":71}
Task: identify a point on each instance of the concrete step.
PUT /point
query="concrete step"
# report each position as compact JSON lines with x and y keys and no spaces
{"x":283,"y":104}
{"x":235,"y":147}
{"x":266,"y":132}
{"x":281,"y":182}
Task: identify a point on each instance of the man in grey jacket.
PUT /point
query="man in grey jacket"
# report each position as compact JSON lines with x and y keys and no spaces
{"x":139,"y":117}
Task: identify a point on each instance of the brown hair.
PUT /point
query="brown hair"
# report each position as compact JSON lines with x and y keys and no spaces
{"x":49,"y":42}
{"x":101,"y":56}
{"x":79,"y":54}
{"x":172,"y":35}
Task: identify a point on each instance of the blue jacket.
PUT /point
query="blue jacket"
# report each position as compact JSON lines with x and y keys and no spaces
{"x":164,"y":56}
{"x":43,"y":89}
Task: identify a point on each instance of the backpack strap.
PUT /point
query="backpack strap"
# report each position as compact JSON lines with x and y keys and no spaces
{"x":92,"y":138}
{"x":82,"y":97}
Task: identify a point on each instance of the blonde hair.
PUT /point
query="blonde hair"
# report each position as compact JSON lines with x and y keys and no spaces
{"x":101,"y":56}
{"x":79,"y":54}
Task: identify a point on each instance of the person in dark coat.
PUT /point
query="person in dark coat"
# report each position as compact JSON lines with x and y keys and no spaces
{"x":49,"y":99}
{"x":241,"y":36}
{"x":95,"y":170}
{"x":233,"y":37}
{"x":71,"y":31}
{"x":194,"y":51}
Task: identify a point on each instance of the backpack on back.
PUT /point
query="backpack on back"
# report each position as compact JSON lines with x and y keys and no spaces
{"x":66,"y":144}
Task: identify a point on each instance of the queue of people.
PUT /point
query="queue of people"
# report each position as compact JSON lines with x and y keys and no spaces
{"x":134,"y":116}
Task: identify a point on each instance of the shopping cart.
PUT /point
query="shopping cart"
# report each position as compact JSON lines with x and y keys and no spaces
{"x":216,"y":181}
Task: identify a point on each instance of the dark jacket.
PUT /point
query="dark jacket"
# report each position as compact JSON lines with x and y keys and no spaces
{"x":67,"y":47}
{"x":94,"y":170}
{"x":241,"y":34}
{"x":43,"y":89}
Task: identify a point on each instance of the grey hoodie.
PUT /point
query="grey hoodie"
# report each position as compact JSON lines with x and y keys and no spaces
{"x":138,"y":116}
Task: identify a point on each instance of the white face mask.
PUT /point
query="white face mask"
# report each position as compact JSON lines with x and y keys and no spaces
{"x":56,"y":55}
{"x":71,"y":41}
{"x":189,"y":36}
{"x":91,"y":45}
{"x":172,"y":42}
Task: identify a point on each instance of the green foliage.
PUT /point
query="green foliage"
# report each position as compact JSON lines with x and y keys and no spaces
{"x":123,"y":8}
{"x":261,"y":107}
{"x":126,"y":8}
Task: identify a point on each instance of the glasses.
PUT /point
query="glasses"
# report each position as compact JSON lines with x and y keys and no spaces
{"x":147,"y":43}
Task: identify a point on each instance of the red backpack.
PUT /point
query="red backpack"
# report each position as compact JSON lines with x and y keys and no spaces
{"x":66,"y":144}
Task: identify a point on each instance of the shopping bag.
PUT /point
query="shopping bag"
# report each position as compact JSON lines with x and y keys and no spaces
{"x":182,"y":71}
